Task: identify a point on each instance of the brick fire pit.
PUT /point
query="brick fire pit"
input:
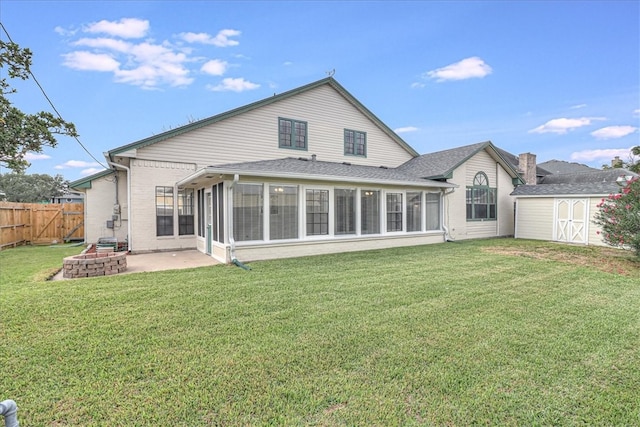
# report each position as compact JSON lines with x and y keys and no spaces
{"x":94,"y":264}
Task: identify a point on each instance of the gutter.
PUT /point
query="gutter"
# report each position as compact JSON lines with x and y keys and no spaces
{"x":116,"y":165}
{"x":447,"y":235}
{"x":8,"y":409}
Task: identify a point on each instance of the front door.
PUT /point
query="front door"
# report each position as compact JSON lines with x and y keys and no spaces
{"x":571,"y":220}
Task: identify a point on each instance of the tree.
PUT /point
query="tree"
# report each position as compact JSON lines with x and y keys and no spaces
{"x":619,"y":217}
{"x":21,"y":133}
{"x":34,"y":188}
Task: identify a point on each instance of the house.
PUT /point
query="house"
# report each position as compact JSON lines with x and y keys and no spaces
{"x":560,"y":205}
{"x":304,"y":172}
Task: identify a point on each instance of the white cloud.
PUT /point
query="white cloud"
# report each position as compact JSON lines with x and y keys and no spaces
{"x":76,"y":164}
{"x":287,"y":63}
{"x":234,"y":85}
{"x":468,"y":68}
{"x":36,"y":156}
{"x":215,"y":67}
{"x":88,"y":61}
{"x":90,"y":171}
{"x":577,"y":107}
{"x":602,"y":155}
{"x":105,"y":43}
{"x":221,"y":39}
{"x":612,"y":132}
{"x":563,"y":125}
{"x":636,"y":112}
{"x":127,"y":28}
{"x":417,"y":85}
{"x":406,"y":129}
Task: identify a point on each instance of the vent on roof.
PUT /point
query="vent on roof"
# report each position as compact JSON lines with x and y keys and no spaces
{"x":303,"y":159}
{"x":346,"y":163}
{"x":383,"y":167}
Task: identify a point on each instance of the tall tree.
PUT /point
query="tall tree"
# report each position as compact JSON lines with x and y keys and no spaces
{"x":21,"y":133}
{"x":35,"y":188}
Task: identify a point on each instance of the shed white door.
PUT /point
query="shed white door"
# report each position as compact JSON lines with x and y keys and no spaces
{"x":571,"y":220}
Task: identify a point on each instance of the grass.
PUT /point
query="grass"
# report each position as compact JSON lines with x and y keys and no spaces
{"x":496,"y":332}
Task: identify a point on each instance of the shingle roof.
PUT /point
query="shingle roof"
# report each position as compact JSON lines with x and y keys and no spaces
{"x":515,"y":162}
{"x":301,"y":167}
{"x":440,"y":164}
{"x":561,"y":167}
{"x":598,"y":182}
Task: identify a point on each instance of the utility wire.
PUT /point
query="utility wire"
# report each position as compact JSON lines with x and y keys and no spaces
{"x":51,"y":103}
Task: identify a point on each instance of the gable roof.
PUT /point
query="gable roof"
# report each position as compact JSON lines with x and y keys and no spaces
{"x":441,"y":164}
{"x":330,"y":81}
{"x":515,"y":162}
{"x":86,"y":181}
{"x":304,"y":168}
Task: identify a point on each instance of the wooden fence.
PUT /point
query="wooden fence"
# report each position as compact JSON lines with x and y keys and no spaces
{"x":32,"y":223}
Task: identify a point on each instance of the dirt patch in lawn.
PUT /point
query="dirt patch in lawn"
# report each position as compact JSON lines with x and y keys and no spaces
{"x":604,"y":259}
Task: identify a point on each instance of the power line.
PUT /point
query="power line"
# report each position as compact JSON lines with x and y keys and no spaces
{"x":51,"y":103}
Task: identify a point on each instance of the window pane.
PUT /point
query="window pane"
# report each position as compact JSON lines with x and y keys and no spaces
{"x":345,"y":211}
{"x":301,"y":134}
{"x":349,"y":142}
{"x":433,"y":211}
{"x":317,"y":212}
{"x":164,"y":211}
{"x":185,"y":211}
{"x":285,"y":133}
{"x":370,"y":212}
{"x":360,"y":143}
{"x":247,"y":212}
{"x":394,"y":212}
{"x":414,"y":211}
{"x":283,"y":212}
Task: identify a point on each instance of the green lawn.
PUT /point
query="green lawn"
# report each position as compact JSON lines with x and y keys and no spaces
{"x":492,"y":332}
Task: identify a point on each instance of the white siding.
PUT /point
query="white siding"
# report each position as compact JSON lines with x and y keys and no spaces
{"x":290,"y":250}
{"x":456,"y":210}
{"x":99,"y":208}
{"x":253,"y":135}
{"x":534,"y":218}
{"x":145,"y":176}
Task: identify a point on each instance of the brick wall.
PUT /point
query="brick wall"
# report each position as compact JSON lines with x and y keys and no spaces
{"x":94,"y":265}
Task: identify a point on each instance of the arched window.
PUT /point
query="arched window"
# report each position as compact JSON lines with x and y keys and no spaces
{"x":481,"y":199}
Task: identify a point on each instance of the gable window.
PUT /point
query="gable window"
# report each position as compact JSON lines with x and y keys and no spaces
{"x":370,"y":212}
{"x":317,"y":212}
{"x":164,"y":211}
{"x":481,"y":199}
{"x":355,"y":143}
{"x":283,"y":212}
{"x":345,"y":210}
{"x":394,"y":212}
{"x":185,"y":212}
{"x":247,"y":212}
{"x":433,"y":211}
{"x":292,"y":134}
{"x":414,"y":211}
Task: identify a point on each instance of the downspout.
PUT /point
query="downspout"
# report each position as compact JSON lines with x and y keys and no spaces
{"x":116,"y":165}
{"x":232,"y":241}
{"x":8,"y":409}
{"x":447,"y":236}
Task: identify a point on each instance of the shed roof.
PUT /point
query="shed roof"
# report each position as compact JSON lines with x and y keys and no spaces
{"x":598,"y":182}
{"x":305,"y":168}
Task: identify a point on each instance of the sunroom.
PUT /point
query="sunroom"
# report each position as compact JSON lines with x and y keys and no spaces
{"x":297,"y":206}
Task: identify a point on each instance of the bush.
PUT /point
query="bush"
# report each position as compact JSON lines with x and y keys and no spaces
{"x":619,"y":217}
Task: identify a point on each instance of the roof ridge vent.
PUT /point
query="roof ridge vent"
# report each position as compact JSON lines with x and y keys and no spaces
{"x":346,"y":163}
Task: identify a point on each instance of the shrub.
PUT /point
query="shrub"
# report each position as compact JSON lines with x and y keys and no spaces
{"x":619,"y":217}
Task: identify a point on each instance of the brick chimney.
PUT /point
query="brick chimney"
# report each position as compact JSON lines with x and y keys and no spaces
{"x":527,"y":166}
{"x":616,"y":162}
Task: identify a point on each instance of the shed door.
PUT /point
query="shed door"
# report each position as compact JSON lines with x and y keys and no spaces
{"x":571,"y":220}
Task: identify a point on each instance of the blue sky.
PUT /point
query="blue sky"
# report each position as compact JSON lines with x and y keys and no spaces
{"x":557,"y":79}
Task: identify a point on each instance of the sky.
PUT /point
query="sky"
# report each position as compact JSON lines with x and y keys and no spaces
{"x":559,"y":79}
